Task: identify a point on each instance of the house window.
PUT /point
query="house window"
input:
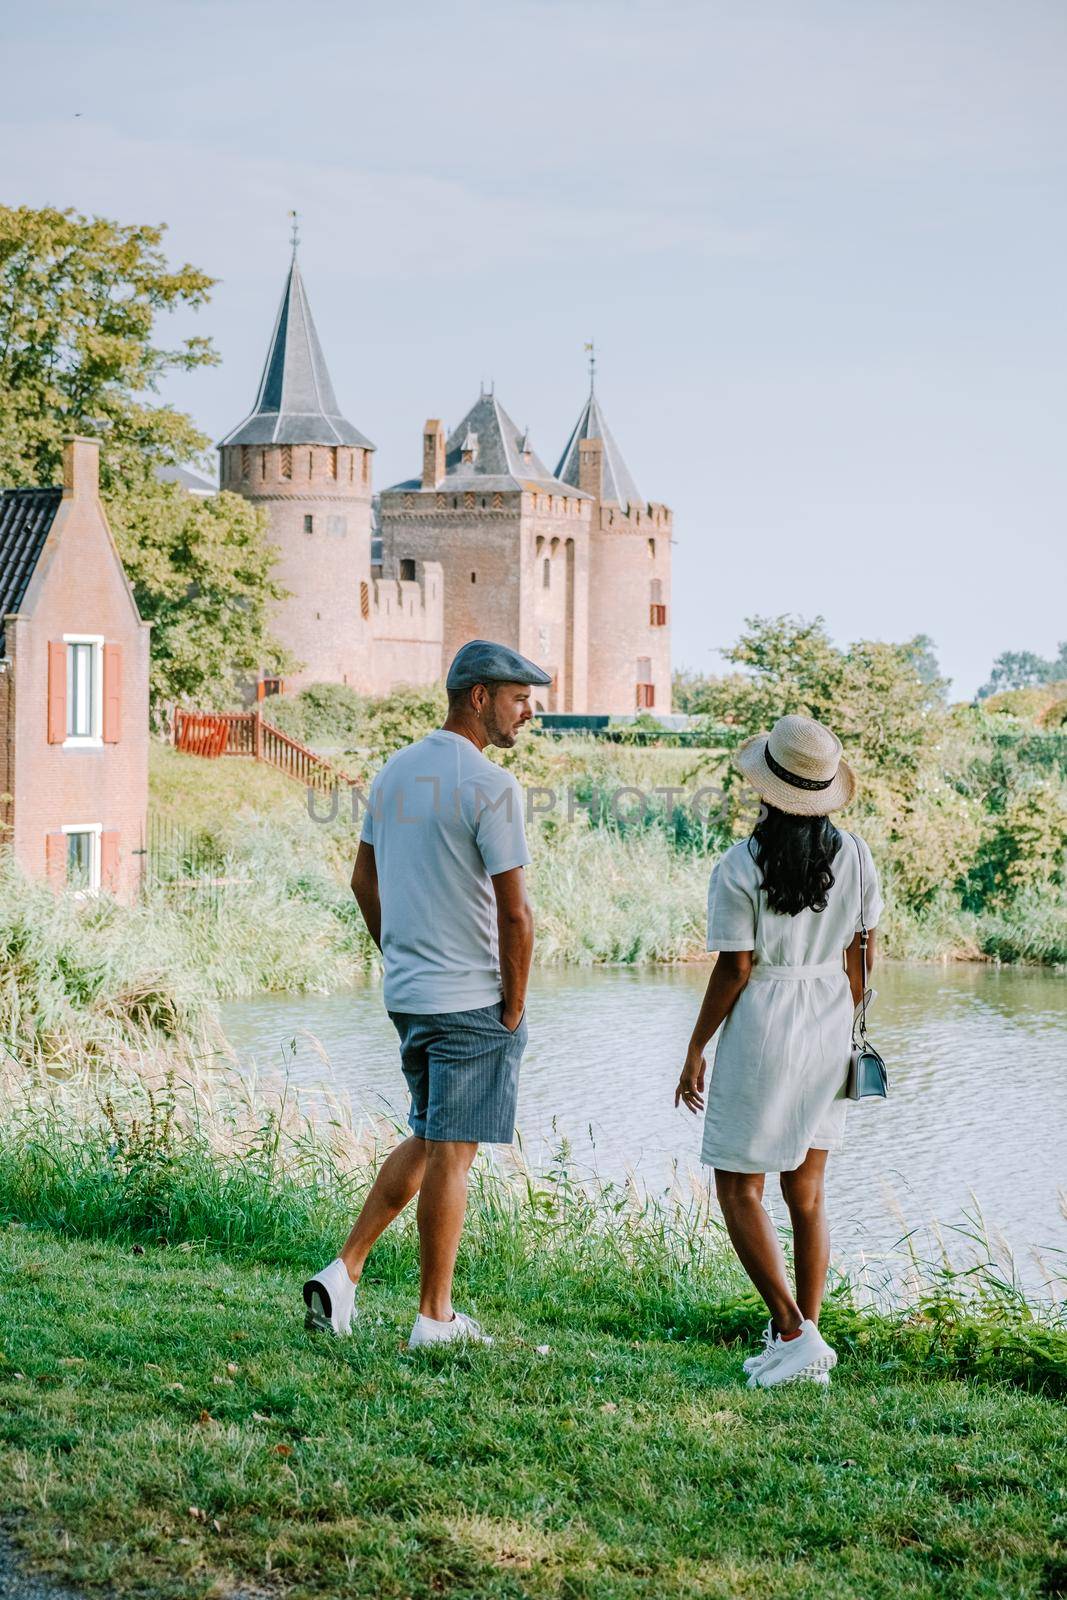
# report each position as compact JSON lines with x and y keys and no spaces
{"x":309,"y":524}
{"x":407,"y":569}
{"x":546,"y":574}
{"x":83,"y":856}
{"x":85,"y":689}
{"x":268,"y":687}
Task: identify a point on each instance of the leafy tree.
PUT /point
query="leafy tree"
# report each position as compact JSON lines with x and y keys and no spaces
{"x":202,"y":578}
{"x":1022,"y":669}
{"x":79,"y":301}
{"x":79,"y":297}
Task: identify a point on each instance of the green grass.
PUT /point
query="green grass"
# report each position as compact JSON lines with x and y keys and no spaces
{"x":167,"y":1428}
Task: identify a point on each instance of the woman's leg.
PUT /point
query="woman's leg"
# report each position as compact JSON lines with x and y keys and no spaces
{"x":755,"y":1239}
{"x":802,"y":1190}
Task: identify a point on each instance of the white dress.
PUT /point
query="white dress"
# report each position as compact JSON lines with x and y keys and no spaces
{"x":778,"y":1082}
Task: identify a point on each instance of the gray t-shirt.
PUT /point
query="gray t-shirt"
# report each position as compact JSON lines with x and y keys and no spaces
{"x":442,"y":820}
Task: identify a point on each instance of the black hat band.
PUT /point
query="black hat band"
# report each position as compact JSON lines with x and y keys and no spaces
{"x":792,"y":778}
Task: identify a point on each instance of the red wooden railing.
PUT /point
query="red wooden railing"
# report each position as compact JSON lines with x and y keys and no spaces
{"x":244,"y":733}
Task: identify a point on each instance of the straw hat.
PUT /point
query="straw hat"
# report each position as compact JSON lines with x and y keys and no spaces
{"x":797,"y":767}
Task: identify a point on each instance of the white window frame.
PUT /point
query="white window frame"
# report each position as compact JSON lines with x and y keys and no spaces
{"x":94,"y":830}
{"x":89,"y":741}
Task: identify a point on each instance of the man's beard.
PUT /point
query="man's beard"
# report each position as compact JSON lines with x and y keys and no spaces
{"x":494,"y":732}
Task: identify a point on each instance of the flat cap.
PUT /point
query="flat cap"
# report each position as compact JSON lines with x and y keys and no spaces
{"x":481,"y":661}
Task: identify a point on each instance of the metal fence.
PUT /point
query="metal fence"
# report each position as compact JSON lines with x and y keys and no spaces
{"x":182,"y":862}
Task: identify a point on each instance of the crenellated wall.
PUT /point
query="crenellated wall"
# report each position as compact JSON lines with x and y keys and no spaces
{"x":318,"y":499}
{"x":406,"y":618}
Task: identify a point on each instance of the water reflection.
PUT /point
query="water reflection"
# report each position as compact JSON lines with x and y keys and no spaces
{"x":977,"y":1108}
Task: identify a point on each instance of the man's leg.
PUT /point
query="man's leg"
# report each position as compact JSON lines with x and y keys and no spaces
{"x":803,"y":1192}
{"x":442,"y":1208}
{"x":399,"y":1180}
{"x":753,"y":1236}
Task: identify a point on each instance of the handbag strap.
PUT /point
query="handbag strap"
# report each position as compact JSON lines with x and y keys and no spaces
{"x":863,"y":947}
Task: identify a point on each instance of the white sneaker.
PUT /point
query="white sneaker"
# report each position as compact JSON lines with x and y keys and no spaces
{"x":790,"y":1359}
{"x":428,"y":1331}
{"x":753,"y":1363}
{"x":330,"y":1297}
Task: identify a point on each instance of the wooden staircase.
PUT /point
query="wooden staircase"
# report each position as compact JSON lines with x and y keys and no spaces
{"x":245,"y":733}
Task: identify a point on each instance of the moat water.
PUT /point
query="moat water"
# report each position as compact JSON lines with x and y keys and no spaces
{"x":974,"y":1126}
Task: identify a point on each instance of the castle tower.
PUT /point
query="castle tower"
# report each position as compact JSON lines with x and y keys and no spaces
{"x":297,"y":456}
{"x":629,"y":572}
{"x":512,"y":539}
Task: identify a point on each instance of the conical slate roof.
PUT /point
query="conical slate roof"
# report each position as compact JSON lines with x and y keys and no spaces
{"x":296,"y":403}
{"x":498,"y":449}
{"x":619,"y":487}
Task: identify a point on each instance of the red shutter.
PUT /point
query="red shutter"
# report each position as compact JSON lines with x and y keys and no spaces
{"x":112,"y":693}
{"x":109,"y":859}
{"x":55,"y":859}
{"x":57,"y":692}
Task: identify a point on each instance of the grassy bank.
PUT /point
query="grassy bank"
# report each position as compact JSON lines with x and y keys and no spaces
{"x":167,"y":1428}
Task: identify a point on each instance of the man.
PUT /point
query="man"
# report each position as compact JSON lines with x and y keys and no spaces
{"x":439,"y":880}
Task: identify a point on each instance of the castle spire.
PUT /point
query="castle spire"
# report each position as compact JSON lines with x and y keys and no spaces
{"x":296,"y":403}
{"x":617,"y":484}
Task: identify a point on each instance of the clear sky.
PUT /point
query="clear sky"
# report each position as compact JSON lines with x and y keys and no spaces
{"x":820,"y":245}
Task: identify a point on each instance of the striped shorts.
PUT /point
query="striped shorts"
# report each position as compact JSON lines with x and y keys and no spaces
{"x":462,"y":1068}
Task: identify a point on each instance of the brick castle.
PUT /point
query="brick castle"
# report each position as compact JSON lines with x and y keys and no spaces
{"x":571,"y":567}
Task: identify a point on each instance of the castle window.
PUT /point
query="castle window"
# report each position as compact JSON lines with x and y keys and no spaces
{"x":366,"y":466}
{"x":351,"y":466}
{"x":468,"y":501}
{"x":498,"y":501}
{"x":407,"y":569}
{"x":263,"y":463}
{"x":287,"y":461}
{"x":539,"y":544}
{"x":309,"y":524}
{"x":440,"y":502}
{"x":246,"y":460}
{"x":364,"y":599}
{"x":455,"y":502}
{"x":652,"y":549}
{"x":483,"y":502}
{"x":656,"y":591}
{"x":333,"y":461}
{"x":474,"y":577}
{"x":408,"y":502}
{"x":311,"y":463}
{"x":546,"y":574}
{"x":646,"y":694}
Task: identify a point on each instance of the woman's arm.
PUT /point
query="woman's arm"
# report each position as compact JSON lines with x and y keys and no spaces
{"x":729,"y":976}
{"x":853,"y":965}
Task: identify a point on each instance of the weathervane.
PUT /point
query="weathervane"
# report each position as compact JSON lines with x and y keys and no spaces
{"x":294,"y":233}
{"x":591,"y":351}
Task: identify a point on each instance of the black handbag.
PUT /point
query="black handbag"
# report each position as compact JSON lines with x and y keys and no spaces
{"x":867,"y":1075}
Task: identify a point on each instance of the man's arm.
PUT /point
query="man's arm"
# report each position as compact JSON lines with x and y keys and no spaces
{"x":365,"y":889}
{"x":514,"y":920}
{"x":728,"y":978}
{"x":853,"y":965}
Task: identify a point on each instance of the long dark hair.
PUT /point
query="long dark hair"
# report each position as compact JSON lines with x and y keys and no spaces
{"x":794,"y":855}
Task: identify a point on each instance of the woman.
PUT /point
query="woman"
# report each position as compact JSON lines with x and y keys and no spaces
{"x":784,"y":914}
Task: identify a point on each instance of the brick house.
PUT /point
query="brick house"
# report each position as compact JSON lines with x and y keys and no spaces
{"x":73,"y":687}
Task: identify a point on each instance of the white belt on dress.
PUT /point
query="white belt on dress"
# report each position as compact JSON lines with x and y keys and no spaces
{"x":825,"y":969}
